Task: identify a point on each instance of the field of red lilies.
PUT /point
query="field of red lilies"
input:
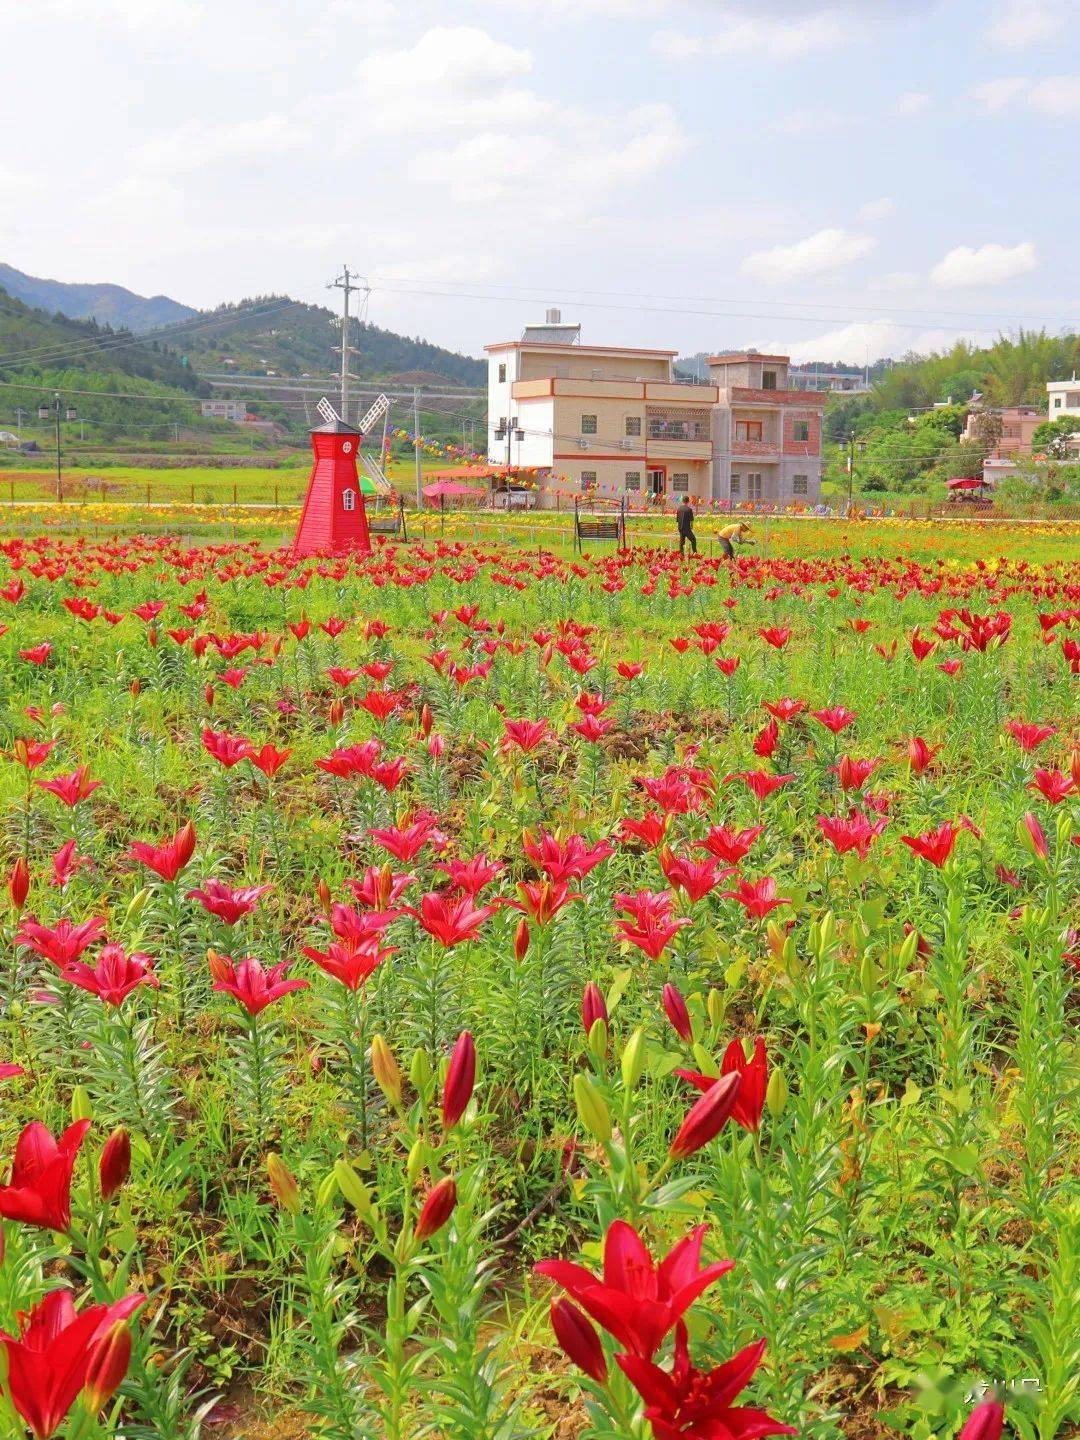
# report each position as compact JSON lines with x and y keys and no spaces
{"x":479,"y":994}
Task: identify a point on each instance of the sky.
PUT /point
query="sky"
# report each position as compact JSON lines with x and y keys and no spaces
{"x":840,"y":180}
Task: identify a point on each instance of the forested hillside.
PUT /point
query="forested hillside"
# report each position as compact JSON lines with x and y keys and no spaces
{"x":107,"y":304}
{"x":272,"y":332}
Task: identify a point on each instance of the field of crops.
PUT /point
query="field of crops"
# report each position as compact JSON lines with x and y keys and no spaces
{"x":477,"y":993}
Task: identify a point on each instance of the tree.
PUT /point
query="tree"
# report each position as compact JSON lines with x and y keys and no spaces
{"x":1053,"y":437}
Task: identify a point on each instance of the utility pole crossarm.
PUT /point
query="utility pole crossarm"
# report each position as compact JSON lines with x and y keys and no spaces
{"x":344,"y":283}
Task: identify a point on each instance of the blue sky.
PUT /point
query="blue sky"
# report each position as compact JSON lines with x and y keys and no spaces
{"x":844,"y":180}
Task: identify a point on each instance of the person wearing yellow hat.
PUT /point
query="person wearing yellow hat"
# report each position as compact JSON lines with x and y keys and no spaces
{"x":739,"y":531}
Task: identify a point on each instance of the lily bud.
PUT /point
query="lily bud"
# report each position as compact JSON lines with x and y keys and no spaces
{"x":208,"y":696}
{"x":220,"y":967}
{"x":592,"y":1109}
{"x":353,"y":1188}
{"x":135,"y":688}
{"x":597,"y":1039}
{"x":985,"y":1422}
{"x":419,"y":1069}
{"x":776,"y":1093}
{"x":521,"y":940}
{"x":108,"y":1365}
{"x":436,"y":1209}
{"x":19,"y":884}
{"x":115,"y":1164}
{"x":706,"y":1117}
{"x":326,"y":904}
{"x":578,"y":1339}
{"x":714,"y":1006}
{"x":1031,"y":836}
{"x":426,"y":720}
{"x":385,"y":1069}
{"x":81,"y":1108}
{"x":460,"y":1079}
{"x":185,"y":843}
{"x":593,"y":1007}
{"x":677,"y":1013}
{"x":633,"y":1059}
{"x":337,"y":712}
{"x":283,"y":1184}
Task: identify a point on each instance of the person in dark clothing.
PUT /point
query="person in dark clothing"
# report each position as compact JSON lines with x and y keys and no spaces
{"x":684,"y":518}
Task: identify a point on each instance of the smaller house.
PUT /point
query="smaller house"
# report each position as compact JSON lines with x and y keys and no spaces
{"x":234,"y":410}
{"x":1064,"y":399}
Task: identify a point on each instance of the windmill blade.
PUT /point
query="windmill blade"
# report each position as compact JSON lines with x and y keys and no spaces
{"x":377,"y":411}
{"x":327,"y":411}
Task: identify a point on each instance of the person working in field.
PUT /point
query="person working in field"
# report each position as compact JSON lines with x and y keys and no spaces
{"x":740,"y":531}
{"x":684,"y":518}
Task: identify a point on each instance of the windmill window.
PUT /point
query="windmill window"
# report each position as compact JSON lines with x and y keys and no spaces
{"x":348,"y":499}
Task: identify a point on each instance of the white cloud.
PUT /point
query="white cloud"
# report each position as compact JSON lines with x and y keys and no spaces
{"x":1056,"y":95}
{"x":1019,"y":23}
{"x":818,"y":254}
{"x":195,"y":144}
{"x":996,"y":94}
{"x":877,"y":209}
{"x":988,"y":265}
{"x":911,"y":102}
{"x":814,"y":121}
{"x":864,"y":342}
{"x":764,"y":39}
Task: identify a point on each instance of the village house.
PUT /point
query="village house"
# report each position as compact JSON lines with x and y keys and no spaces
{"x":612,"y":421}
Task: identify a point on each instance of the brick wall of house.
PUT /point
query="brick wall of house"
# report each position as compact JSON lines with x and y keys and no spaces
{"x":811,"y":446}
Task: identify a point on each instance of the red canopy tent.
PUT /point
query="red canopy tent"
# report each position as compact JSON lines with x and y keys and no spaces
{"x":965,"y":482}
{"x":450,"y":489}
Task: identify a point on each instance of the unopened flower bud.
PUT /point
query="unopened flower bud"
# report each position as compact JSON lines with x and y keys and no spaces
{"x":283,"y":1184}
{"x":81,"y":1108}
{"x":19,"y":884}
{"x":776,"y":1093}
{"x":108,"y":1365}
{"x":592,"y":1109}
{"x":353,"y":1188}
{"x":115,"y":1164}
{"x":521,"y":940}
{"x":385,"y":1069}
{"x":337,"y":712}
{"x":633,"y":1059}
{"x":436,"y":1209}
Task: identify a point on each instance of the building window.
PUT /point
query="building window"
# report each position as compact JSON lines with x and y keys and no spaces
{"x":588,"y":480}
{"x":753,"y":485}
{"x":633,"y":424}
{"x":633,"y":479}
{"x":1057,"y":402}
{"x":768,"y":380}
{"x":680,"y":483}
{"x":502,"y":374}
{"x":348,"y":499}
{"x":800,"y":485}
{"x":1073,"y":402}
{"x":736,"y":484}
{"x":747,"y":429}
{"x":588,"y":424}
{"x":801,"y":429}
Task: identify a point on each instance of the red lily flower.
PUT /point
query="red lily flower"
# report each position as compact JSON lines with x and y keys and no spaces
{"x":269,"y":759}
{"x":727,"y":664}
{"x":39,"y":1191}
{"x":570,"y":860}
{"x":758,"y":782}
{"x":757,"y":897}
{"x":934,"y":845}
{"x":66,"y":863}
{"x":226,"y":902}
{"x":37,"y":654}
{"x":649,"y":830}
{"x":352,"y":760}
{"x":852,"y":832}
{"x":695,"y":878}
{"x":835,"y":719}
{"x":1029,"y":735}
{"x":776,"y":635}
{"x":114,"y":976}
{"x":405,"y":843}
{"x":920,"y":754}
{"x":525,"y":735}
{"x":352,"y":965}
{"x":11,"y":1072}
{"x":542,"y":900}
{"x":592,"y":728}
{"x":730,"y":846}
{"x":853,"y":773}
{"x":169,"y":859}
{"x":749,"y":1103}
{"x":380,"y":887}
{"x":985,"y":1422}
{"x":61,"y":943}
{"x":450,"y":919}
{"x":70,"y":789}
{"x":470,"y":876}
{"x":784,"y":709}
{"x":227,"y":749}
{"x":254,"y":987}
{"x":767,"y":739}
{"x":49,"y":1362}
{"x":1053,"y":785}
{"x":638,"y":1301}
{"x":652,"y":926}
{"x":691,"y":1404}
{"x":32,"y":753}
{"x":921,"y":648}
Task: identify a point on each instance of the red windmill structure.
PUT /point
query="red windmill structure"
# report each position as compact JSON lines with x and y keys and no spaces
{"x":334,"y":520}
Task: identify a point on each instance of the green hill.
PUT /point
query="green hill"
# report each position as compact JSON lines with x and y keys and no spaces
{"x":289,"y":337}
{"x":107,"y":304}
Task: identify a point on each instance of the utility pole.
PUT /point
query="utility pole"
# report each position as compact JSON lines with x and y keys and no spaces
{"x":343,"y":282}
{"x":850,"y":468}
{"x":416,"y":446}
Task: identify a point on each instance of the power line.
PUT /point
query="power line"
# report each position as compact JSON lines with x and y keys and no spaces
{"x":634,"y":296}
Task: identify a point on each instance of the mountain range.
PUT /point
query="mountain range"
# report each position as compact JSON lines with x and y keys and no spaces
{"x":111,"y":305}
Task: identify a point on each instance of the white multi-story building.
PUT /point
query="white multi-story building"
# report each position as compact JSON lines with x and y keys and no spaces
{"x":1064,"y":398}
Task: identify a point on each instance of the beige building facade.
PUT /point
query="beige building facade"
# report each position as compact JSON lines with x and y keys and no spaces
{"x":609,"y":421}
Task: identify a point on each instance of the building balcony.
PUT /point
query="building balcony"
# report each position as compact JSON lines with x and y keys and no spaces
{"x":756,"y":449}
{"x":667,"y":393}
{"x":663,"y":448}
